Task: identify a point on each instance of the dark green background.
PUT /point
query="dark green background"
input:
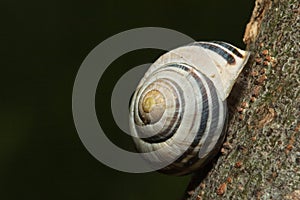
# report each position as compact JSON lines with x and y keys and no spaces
{"x":43,"y":45}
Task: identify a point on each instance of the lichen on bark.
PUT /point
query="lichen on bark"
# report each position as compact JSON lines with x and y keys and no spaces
{"x":261,"y":154}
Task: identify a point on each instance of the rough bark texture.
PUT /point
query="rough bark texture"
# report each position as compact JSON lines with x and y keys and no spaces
{"x":261,"y":155}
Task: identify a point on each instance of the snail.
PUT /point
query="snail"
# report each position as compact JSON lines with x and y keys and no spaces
{"x":178,"y":112}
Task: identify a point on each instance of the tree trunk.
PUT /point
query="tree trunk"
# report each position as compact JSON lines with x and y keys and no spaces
{"x":261,"y":155}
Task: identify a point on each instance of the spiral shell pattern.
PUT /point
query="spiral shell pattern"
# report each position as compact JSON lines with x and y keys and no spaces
{"x":178,"y":107}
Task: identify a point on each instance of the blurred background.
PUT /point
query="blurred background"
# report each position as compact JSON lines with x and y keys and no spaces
{"x":43,"y":46}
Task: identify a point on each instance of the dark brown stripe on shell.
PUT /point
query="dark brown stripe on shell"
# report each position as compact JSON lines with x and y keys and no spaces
{"x":215,"y":120}
{"x":230,"y":48}
{"x":204,"y":110}
{"x":228,"y":57}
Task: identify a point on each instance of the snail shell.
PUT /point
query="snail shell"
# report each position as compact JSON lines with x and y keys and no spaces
{"x":178,"y":111}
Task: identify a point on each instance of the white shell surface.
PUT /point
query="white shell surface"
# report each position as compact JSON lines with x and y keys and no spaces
{"x":194,"y":81}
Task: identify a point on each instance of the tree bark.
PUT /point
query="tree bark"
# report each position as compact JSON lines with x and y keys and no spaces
{"x":261,"y":155}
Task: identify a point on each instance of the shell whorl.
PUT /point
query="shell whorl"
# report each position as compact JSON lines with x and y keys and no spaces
{"x":180,"y":104}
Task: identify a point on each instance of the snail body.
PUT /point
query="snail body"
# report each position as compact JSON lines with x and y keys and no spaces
{"x":178,"y":111}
